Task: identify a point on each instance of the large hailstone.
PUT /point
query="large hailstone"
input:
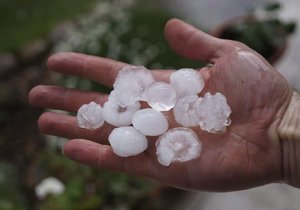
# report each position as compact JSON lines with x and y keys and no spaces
{"x":150,"y":122}
{"x":213,"y":112}
{"x":161,"y":96}
{"x":131,"y":83}
{"x":116,"y":115}
{"x":127,"y":141}
{"x":187,"y":82}
{"x":185,"y":111}
{"x":178,"y":145}
{"x":90,"y":116}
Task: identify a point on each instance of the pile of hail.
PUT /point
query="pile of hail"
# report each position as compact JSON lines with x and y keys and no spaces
{"x":134,"y":85}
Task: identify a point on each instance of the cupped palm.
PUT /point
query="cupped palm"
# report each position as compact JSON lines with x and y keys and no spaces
{"x":248,"y":154}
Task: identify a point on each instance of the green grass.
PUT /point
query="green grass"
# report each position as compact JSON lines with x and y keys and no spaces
{"x":154,"y":19}
{"x":22,"y":21}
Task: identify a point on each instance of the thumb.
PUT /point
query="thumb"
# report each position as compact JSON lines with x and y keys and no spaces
{"x":192,"y":43}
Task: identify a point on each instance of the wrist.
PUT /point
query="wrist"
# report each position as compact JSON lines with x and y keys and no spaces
{"x":289,"y":134}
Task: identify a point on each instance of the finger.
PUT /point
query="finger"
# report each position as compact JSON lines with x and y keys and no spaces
{"x":192,"y":43}
{"x":66,"y":126}
{"x":101,"y":70}
{"x":93,"y":154}
{"x":62,"y":98}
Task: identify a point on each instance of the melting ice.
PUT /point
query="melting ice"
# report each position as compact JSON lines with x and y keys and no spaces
{"x":134,"y":84}
{"x":178,"y":145}
{"x":131,"y":83}
{"x":185,"y":111}
{"x":150,"y":122}
{"x":187,"y":82}
{"x":161,"y":96}
{"x":116,"y":115}
{"x":127,"y":141}
{"x":213,"y":112}
{"x":90,"y":116}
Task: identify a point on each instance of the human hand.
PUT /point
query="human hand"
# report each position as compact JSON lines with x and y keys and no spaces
{"x":248,"y":154}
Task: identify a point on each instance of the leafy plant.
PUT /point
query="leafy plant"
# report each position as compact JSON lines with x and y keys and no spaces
{"x":128,"y":31}
{"x":87,"y":188}
{"x":25,"y":21}
{"x":10,"y":196}
{"x":263,"y":34}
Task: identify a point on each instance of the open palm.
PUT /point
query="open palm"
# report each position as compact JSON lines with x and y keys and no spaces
{"x":248,"y":154}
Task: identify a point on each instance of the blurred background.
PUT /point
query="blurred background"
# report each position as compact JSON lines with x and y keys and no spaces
{"x":34,"y":175}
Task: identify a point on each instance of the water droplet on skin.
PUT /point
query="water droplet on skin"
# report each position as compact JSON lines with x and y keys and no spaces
{"x":253,"y":60}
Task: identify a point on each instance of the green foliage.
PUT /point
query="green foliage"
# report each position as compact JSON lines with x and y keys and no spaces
{"x":272,"y":6}
{"x":128,"y":31}
{"x":87,"y":188}
{"x":10,"y":196}
{"x":24,"y":21}
{"x":263,"y":35}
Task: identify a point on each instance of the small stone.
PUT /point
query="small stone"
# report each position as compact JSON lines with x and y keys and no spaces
{"x":178,"y":145}
{"x":131,"y":83}
{"x":90,"y":116}
{"x":127,"y":141}
{"x":187,"y":82}
{"x":185,"y":111}
{"x":161,"y":96}
{"x":150,"y":122}
{"x":213,"y":112}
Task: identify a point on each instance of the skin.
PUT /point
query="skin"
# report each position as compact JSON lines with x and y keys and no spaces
{"x":248,"y":154}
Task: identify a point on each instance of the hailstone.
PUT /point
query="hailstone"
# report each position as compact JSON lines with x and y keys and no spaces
{"x":116,"y":115}
{"x":213,"y":112}
{"x":150,"y":122}
{"x":131,"y":83}
{"x":127,"y":141}
{"x":187,"y":82}
{"x":90,"y":116}
{"x":161,"y":96}
{"x":185,"y":112}
{"x":178,"y":145}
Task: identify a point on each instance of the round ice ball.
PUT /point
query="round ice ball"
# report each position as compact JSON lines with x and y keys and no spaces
{"x":161,"y":96}
{"x":116,"y":115}
{"x":127,"y":141}
{"x":187,"y":82}
{"x":150,"y":122}
{"x":185,"y":111}
{"x":131,"y":83}
{"x":178,"y":145}
{"x":90,"y":116}
{"x":213,"y":112}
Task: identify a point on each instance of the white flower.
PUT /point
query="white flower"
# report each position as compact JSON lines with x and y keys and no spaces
{"x":49,"y":185}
